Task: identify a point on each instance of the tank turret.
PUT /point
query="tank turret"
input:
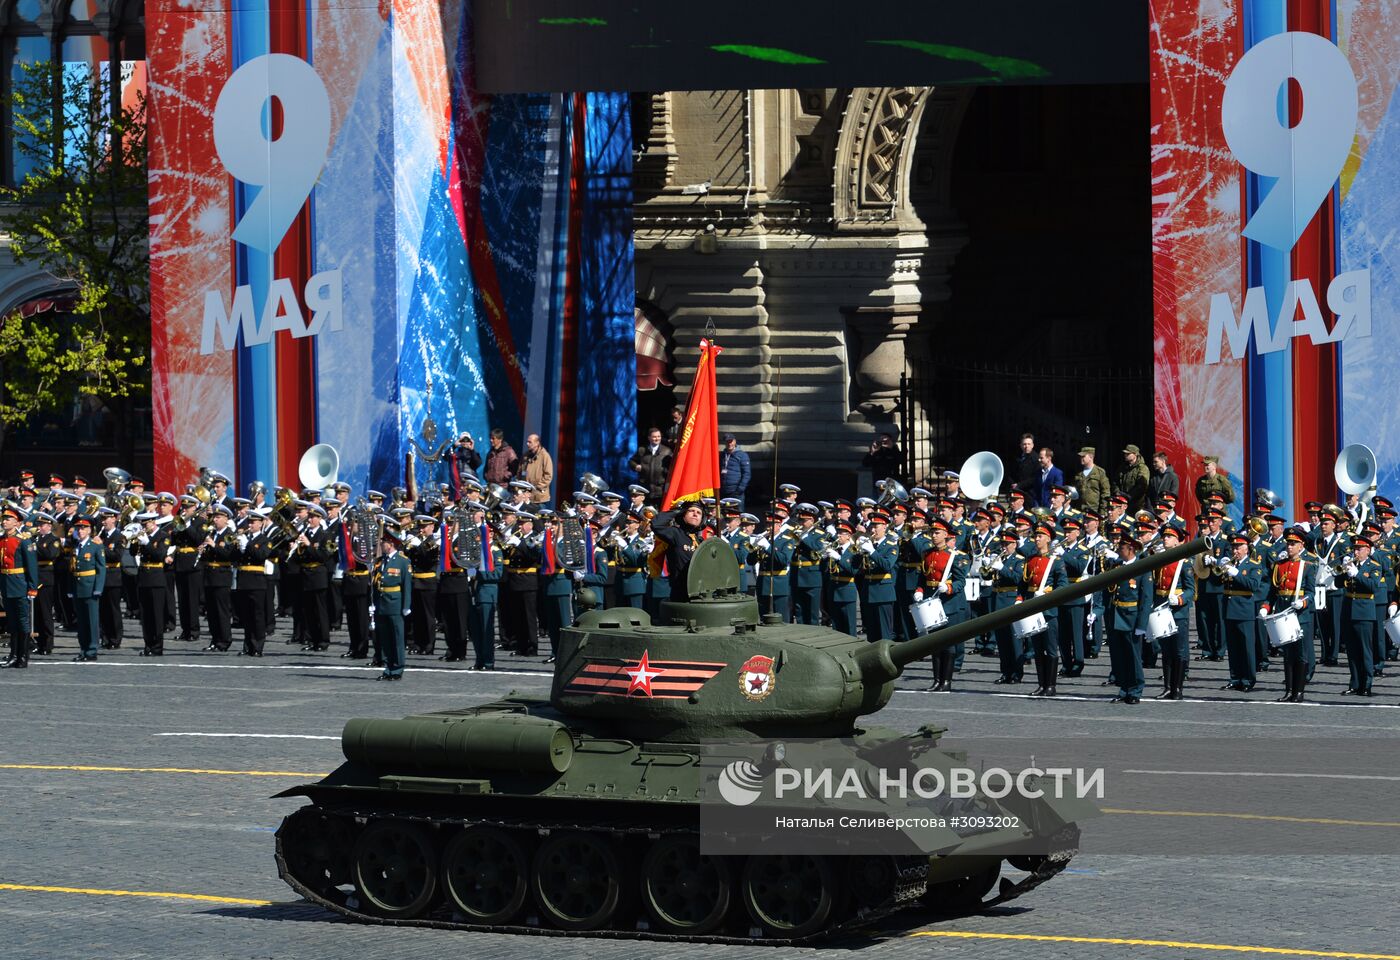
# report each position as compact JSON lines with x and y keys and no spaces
{"x":724,"y":672}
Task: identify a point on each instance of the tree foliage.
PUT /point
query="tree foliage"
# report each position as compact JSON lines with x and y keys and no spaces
{"x":79,"y":215}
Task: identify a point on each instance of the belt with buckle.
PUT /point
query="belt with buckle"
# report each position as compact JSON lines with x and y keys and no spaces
{"x":425,"y":576}
{"x":152,"y":566}
{"x":84,"y":573}
{"x":184,"y":549}
{"x":259,"y":568}
{"x":357,"y":573}
{"x":390,"y":589}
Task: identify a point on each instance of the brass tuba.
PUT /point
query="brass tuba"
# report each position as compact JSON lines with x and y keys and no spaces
{"x":365,"y":530}
{"x":117,"y":479}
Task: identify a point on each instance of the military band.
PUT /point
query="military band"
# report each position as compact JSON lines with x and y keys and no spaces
{"x":489,"y":567}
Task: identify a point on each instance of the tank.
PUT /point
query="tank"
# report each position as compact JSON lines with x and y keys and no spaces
{"x":582,"y":812}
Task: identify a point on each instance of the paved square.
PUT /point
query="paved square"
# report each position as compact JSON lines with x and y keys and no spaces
{"x":147,"y":830}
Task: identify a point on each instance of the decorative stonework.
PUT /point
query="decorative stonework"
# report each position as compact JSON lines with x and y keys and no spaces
{"x":874,"y":153}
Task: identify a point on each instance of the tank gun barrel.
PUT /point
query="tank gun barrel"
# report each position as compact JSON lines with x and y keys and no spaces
{"x":887,"y":659}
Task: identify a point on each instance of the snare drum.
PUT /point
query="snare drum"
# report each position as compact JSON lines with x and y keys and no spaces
{"x":1283,"y":628}
{"x":928,"y":615}
{"x":1392,"y":628}
{"x":1161,"y":623}
{"x":1029,"y":626}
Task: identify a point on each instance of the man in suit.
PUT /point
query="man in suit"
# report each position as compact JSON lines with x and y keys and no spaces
{"x":1027,"y":470}
{"x":652,"y":464}
{"x":393,"y":596}
{"x":1050,"y":477}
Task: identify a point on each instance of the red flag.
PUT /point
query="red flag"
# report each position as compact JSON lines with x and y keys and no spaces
{"x":695,"y":470}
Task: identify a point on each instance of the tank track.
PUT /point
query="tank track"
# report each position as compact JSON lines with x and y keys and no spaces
{"x":909,"y":884}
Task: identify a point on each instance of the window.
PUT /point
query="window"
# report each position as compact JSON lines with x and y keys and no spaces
{"x":84,"y":52}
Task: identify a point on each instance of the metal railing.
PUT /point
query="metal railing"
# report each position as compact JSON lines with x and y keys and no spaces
{"x":950,"y":411}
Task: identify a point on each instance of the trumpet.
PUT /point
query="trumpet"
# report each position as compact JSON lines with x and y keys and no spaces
{"x":1339,"y":566}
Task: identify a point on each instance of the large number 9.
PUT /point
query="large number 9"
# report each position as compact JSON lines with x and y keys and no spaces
{"x":285,"y":167}
{"x":1307,"y":158}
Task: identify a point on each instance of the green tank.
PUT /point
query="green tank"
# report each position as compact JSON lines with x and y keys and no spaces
{"x":582,"y":812}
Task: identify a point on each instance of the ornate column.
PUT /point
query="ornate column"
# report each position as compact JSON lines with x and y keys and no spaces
{"x":875,"y":350}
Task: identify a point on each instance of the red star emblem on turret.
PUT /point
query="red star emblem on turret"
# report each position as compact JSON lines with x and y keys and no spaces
{"x":642,"y":675}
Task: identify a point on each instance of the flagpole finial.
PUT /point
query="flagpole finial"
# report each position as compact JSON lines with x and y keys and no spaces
{"x":710,"y":327}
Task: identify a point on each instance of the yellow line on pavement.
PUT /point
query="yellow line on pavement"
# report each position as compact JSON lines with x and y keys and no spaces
{"x":212,"y":773}
{"x":1171,"y":944}
{"x":1327,"y":821}
{"x":157,"y":894}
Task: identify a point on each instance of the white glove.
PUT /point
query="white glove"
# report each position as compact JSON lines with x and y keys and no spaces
{"x":761,"y":543}
{"x":143,"y":539}
{"x":371,"y":609}
{"x":1300,"y":603}
{"x":918,"y":596}
{"x":578,"y":574}
{"x":1352,"y":569}
{"x":1263,"y":611}
{"x":1305,"y":526}
{"x":833,"y":553}
{"x":867,"y":548}
{"x":1089,"y":620}
{"x":997,"y":564}
{"x":1232,"y":571}
{"x":512,"y":541}
{"x":831,"y":529}
{"x":1058,"y":552}
{"x":1139,"y":633}
{"x":946,"y":588}
{"x":170,"y":551}
{"x":1111,"y":555}
{"x":1176,"y":601}
{"x":1210,"y":560}
{"x":1390,"y":610}
{"x":407,"y":612}
{"x":242,"y":541}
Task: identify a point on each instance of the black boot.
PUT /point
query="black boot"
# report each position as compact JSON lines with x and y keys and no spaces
{"x":1039,"y":676}
{"x":1052,"y":670}
{"x":1178,"y":679}
{"x":1288,"y":678}
{"x":1168,"y":675}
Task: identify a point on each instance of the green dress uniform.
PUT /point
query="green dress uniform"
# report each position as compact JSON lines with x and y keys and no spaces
{"x":1330,"y":633}
{"x":558,"y":585}
{"x":1293,"y":583}
{"x":393,"y":596}
{"x":1210,"y":603}
{"x":842,"y":568}
{"x":1383,"y":600}
{"x":1072,"y":615}
{"x":630,"y":563}
{"x":485,"y":594}
{"x":1006,"y":583}
{"x":1129,"y":603}
{"x":1207,"y":486}
{"x":774,"y":591}
{"x":909,"y":579}
{"x":1241,"y":617}
{"x":1175,"y":586}
{"x":944,"y":575}
{"x":19,"y":578}
{"x":739,"y":540}
{"x":878,"y":567}
{"x":1359,"y":623}
{"x":806,"y":577}
{"x":1050,"y":571}
{"x":89,"y":570}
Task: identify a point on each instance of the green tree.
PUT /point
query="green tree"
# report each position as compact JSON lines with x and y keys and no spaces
{"x":79,"y":215}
